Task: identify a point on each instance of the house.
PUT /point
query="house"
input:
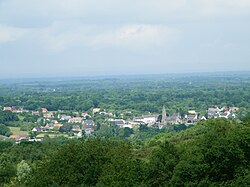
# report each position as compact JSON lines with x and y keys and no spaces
{"x":213,"y":112}
{"x":225,"y":108}
{"x":96,"y":110}
{"x":36,"y":129}
{"x":122,"y":123}
{"x":35,"y":113}
{"x":49,"y":126}
{"x":76,"y":128}
{"x":54,"y":121}
{"x":17,"y":110}
{"x":75,"y":120}
{"x":16,"y":137}
{"x":64,"y":117}
{"x":119,"y":122}
{"x":224,"y":112}
{"x":147,"y":119}
{"x":8,"y":108}
{"x":89,"y":129}
{"x":85,"y":115}
{"x":89,"y":122}
{"x":174,"y":119}
{"x":135,"y":123}
{"x":224,"y":115}
{"x":48,"y":115}
{"x":233,"y":109}
{"x":19,"y":137}
{"x":191,"y":118}
{"x":44,"y":110}
{"x":88,"y":126}
{"x":57,"y":126}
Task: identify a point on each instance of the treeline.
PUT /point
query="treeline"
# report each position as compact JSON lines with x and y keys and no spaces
{"x":213,"y":153}
{"x":178,"y":94}
{"x":6,"y":119}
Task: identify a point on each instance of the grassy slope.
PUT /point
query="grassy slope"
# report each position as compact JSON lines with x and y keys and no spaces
{"x":17,"y":131}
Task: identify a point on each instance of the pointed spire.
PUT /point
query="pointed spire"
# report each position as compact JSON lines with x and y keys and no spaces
{"x":164,"y":115}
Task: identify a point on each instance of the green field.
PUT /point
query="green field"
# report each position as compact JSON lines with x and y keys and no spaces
{"x":17,"y":131}
{"x":41,"y":135}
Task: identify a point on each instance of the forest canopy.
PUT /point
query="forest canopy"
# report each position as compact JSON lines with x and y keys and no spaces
{"x":212,"y":153}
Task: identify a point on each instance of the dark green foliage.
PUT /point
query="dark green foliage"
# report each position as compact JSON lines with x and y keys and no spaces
{"x":161,"y":164}
{"x":65,"y":128}
{"x":4,"y":130}
{"x":30,"y":118}
{"x":7,"y":116}
{"x":7,"y":169}
{"x":122,"y":169}
{"x":141,"y":95}
{"x":84,"y":163}
{"x":217,"y":156}
{"x":246,"y":119}
{"x":4,"y":145}
{"x":126,"y":132}
{"x":180,"y":127}
{"x":213,"y":153}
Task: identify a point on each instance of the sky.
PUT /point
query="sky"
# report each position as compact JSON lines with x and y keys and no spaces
{"x":40,"y":38}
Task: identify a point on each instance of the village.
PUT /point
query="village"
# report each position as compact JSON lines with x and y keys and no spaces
{"x":61,"y":123}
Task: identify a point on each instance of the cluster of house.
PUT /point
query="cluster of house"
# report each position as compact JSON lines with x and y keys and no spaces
{"x":145,"y":119}
{"x":150,"y":120}
{"x":190,"y":118}
{"x":14,"y":109}
{"x":43,"y":112}
{"x":84,"y":124}
{"x":79,"y":125}
{"x":224,"y":112}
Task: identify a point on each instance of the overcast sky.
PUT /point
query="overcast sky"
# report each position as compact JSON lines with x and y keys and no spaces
{"x":112,"y":37}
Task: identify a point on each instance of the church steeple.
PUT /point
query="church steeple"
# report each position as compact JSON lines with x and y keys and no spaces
{"x":164,"y":115}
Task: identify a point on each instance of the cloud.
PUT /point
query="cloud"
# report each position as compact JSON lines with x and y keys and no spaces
{"x":57,"y":37}
{"x":88,"y":33}
{"x":136,"y":36}
{"x":122,"y":12}
{"x":222,"y":8}
{"x":216,"y":42}
{"x":10,"y":34}
{"x":61,"y":36}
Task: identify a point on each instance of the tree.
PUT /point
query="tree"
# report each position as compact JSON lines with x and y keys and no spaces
{"x":7,"y":169}
{"x":4,"y":130}
{"x":33,"y":134}
{"x":4,"y":145}
{"x":6,"y":116}
{"x":125,"y":132}
{"x":75,"y":163}
{"x":66,"y":128}
{"x":122,"y":169}
{"x":161,"y":164}
{"x":23,"y":172}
